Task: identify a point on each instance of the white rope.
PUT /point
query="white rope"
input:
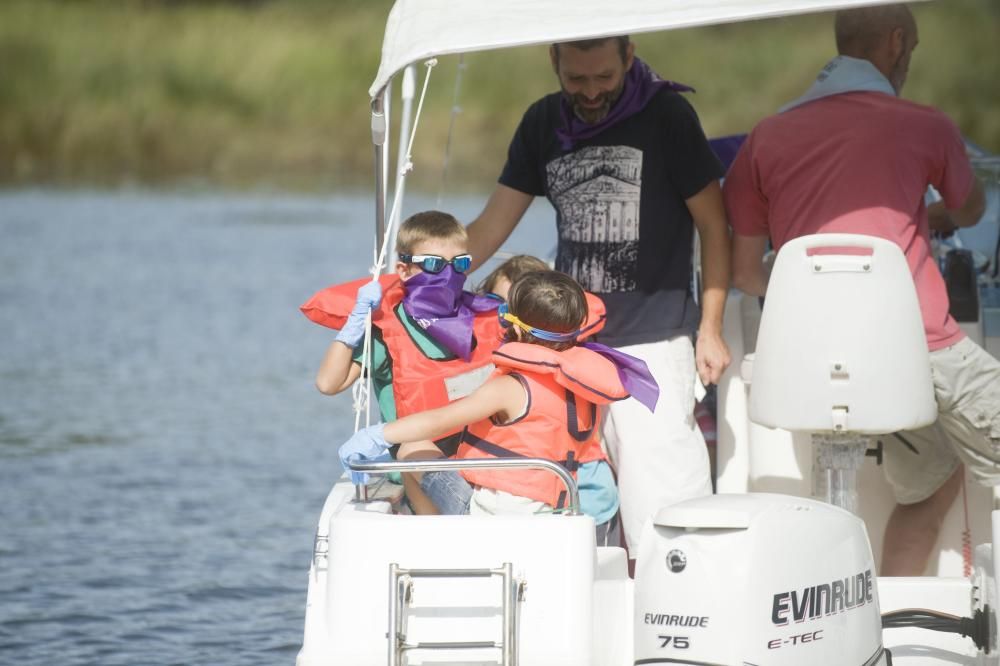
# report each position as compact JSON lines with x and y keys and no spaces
{"x":362,"y":389}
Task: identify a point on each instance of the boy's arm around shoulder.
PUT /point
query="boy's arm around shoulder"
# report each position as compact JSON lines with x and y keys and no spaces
{"x":500,"y":395}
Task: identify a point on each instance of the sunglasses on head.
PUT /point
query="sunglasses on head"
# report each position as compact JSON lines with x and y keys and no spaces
{"x":507,"y":320}
{"x":435,"y":264}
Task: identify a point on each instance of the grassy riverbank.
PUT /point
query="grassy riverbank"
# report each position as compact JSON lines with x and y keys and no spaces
{"x":105,"y":92}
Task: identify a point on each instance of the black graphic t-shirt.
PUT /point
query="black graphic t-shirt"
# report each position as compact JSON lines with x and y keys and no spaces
{"x":625,"y":232}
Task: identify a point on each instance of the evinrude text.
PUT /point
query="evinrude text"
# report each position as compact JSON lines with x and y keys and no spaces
{"x":842,"y":594}
{"x":666,"y":620}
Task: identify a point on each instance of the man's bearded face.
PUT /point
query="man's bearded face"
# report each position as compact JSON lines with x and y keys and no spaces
{"x":592,"y":79}
{"x":594,"y":110}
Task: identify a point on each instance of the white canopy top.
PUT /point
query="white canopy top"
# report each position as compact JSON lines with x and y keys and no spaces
{"x":420,"y":29}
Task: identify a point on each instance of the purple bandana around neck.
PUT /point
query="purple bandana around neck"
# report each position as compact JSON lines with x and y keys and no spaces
{"x":633,"y":373}
{"x":438,"y":305}
{"x":641,"y":84}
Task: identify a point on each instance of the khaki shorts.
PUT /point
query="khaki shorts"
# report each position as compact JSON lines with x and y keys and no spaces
{"x":967,"y":388}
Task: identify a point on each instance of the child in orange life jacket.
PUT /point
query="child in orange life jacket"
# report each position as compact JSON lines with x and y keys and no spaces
{"x":431,"y":341}
{"x":495,"y":285}
{"x":449,"y":492}
{"x":541,"y":402}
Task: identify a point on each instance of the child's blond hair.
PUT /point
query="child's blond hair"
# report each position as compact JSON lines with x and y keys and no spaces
{"x":429,"y":225}
{"x":511,"y":269}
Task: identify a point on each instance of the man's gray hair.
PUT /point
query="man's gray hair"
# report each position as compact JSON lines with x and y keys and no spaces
{"x":860,"y":31}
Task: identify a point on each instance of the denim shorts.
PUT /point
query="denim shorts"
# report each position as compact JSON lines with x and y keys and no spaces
{"x":452,"y":495}
{"x":449,"y":491}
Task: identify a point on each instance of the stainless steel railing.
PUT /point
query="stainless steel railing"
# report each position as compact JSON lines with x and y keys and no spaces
{"x":443,"y":465}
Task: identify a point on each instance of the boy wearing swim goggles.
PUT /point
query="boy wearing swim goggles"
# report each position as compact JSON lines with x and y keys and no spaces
{"x":433,"y":263}
{"x":541,"y":403}
{"x":431,"y":341}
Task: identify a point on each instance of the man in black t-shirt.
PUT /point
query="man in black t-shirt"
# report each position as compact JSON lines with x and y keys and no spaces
{"x":621,"y":156}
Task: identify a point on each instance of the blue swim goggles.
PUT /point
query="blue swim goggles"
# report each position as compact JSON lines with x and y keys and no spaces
{"x":507,"y":320}
{"x":432,"y":263}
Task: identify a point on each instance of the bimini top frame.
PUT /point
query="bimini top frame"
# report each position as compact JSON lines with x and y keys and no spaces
{"x":420,"y":29}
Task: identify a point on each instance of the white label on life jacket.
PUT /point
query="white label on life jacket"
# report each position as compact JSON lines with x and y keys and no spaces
{"x":462,"y":385}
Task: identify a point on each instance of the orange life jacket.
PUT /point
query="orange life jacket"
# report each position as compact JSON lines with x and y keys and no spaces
{"x":419,"y":383}
{"x":561,"y":424}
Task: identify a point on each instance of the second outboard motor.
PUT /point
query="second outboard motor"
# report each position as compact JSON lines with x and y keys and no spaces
{"x":756,"y":579}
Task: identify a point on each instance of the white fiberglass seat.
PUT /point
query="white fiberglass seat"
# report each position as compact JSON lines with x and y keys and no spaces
{"x":841,"y":354}
{"x":841,"y":345}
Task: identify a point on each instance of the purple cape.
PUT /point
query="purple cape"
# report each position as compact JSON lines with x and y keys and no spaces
{"x":632,"y":372}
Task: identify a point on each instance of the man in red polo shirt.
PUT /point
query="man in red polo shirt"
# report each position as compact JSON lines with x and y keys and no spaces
{"x":850,"y":156}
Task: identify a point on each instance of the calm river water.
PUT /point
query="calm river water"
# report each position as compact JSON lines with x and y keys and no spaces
{"x":163,"y":453}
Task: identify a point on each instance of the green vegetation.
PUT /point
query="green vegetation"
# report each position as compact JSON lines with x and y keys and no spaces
{"x":104,"y":92}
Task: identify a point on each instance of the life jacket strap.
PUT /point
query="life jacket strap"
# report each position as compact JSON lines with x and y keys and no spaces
{"x":486,"y":446}
{"x":571,"y":419}
{"x":570,"y":462}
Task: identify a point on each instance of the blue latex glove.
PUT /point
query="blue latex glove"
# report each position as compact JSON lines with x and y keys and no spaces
{"x":366,"y":444}
{"x":369,"y":297}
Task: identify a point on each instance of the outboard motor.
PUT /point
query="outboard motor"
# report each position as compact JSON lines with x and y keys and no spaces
{"x":756,"y":579}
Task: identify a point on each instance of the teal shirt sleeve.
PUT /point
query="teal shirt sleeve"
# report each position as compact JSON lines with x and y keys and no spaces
{"x":381,"y":374}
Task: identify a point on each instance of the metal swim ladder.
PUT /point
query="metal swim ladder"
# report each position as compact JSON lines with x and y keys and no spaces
{"x":512,"y":590}
{"x":401,"y":593}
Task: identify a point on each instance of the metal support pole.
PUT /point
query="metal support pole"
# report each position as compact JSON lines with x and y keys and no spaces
{"x":408,"y":91}
{"x":836,"y":461}
{"x":380,"y":129}
{"x":380,"y":133}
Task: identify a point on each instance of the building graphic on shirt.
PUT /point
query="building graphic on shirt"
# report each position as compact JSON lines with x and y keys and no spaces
{"x":596,"y":192}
